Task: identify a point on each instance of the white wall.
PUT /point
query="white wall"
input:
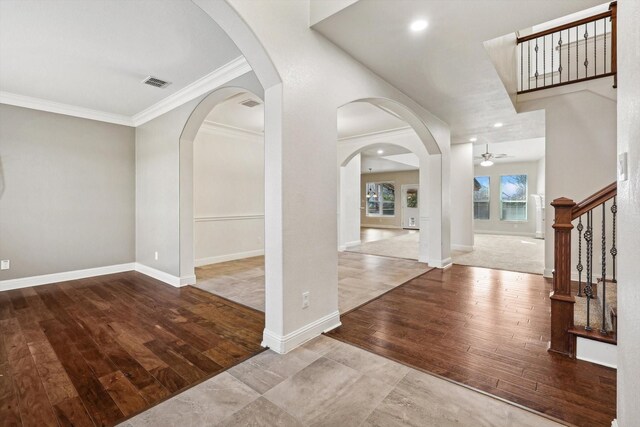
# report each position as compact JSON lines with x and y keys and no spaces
{"x":349,"y":203}
{"x":629,"y":214}
{"x":541,"y":177}
{"x":228,"y":185}
{"x":462,"y":196}
{"x":580,"y":141}
{"x":158,"y":190}
{"x":494,"y":225}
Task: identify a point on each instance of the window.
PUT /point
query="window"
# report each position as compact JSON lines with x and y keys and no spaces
{"x":381,"y":199}
{"x":513,"y":197}
{"x":481,"y":197}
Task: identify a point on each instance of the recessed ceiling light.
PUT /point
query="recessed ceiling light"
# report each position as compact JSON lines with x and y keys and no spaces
{"x":418,"y":25}
{"x":497,"y":125}
{"x":473,"y":139}
{"x":380,"y":151}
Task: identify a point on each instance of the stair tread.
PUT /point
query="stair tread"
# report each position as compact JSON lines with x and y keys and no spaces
{"x":594,"y":334}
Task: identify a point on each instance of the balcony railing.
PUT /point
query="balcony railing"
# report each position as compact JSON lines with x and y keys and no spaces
{"x":570,"y":53}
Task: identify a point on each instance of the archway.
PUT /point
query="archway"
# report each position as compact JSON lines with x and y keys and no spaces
{"x":418,"y":139}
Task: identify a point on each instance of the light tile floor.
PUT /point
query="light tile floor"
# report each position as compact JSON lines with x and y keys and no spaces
{"x":360,"y":278}
{"x":329,"y":383}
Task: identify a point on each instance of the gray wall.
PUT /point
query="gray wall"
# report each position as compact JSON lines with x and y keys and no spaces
{"x":494,"y":224}
{"x":67,"y":193}
{"x":629,"y":215}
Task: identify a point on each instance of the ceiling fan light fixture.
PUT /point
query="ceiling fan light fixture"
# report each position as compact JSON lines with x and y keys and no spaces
{"x":486,"y":163}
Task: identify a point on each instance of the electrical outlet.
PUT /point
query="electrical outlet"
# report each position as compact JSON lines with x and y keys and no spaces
{"x":305,"y":299}
{"x":156,"y":255}
{"x":5,"y":264}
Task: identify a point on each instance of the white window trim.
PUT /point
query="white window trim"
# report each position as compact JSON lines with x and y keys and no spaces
{"x":378,"y":215}
{"x":525,"y":201}
{"x":483,"y":201}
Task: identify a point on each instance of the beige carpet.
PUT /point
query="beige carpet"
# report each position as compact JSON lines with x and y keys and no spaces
{"x":514,"y":253}
{"x":403,"y":246}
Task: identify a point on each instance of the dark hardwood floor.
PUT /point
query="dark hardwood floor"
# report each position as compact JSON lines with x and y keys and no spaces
{"x":95,"y":351}
{"x":487,"y":329}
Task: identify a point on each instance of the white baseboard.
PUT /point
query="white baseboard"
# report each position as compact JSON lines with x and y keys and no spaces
{"x":440,"y":263}
{"x":344,"y":247}
{"x":505,"y":233}
{"x":574,"y":275}
{"x":597,"y":352}
{"x":284,"y":344}
{"x":229,"y":257}
{"x":162,"y":276}
{"x":614,"y":423}
{"x":25,"y":282}
{"x":548,"y":273}
{"x":380,"y":226}
{"x":464,"y":248}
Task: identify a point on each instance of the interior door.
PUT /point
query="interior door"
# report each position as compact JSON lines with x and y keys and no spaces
{"x":410,"y":207}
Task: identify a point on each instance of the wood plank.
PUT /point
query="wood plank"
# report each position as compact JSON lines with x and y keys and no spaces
{"x":487,"y":329}
{"x":76,"y":353}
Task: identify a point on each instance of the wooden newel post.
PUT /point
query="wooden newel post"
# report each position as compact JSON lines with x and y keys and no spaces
{"x":562,"y":300}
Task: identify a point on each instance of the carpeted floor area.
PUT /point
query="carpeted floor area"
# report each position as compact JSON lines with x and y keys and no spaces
{"x":513,"y":253}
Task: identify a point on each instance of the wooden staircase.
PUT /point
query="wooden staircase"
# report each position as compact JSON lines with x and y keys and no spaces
{"x":587,"y":307}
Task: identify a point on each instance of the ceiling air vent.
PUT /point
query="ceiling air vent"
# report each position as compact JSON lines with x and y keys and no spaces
{"x":250,"y":103}
{"x":155,"y":82}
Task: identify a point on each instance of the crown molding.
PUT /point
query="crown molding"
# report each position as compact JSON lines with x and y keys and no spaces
{"x":60,"y":108}
{"x":221,"y":128}
{"x":387,"y":133}
{"x":216,"y":78}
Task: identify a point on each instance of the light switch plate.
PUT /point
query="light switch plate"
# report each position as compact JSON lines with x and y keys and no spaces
{"x":5,"y":264}
{"x":623,"y":173}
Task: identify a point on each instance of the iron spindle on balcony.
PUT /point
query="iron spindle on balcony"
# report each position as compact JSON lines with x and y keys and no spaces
{"x":599,"y":63}
{"x":580,"y":267}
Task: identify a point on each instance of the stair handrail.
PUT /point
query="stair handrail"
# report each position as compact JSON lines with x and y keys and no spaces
{"x":562,"y":299}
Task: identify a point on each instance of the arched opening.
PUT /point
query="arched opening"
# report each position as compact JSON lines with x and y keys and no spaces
{"x":388,"y":194}
{"x":228,"y":197}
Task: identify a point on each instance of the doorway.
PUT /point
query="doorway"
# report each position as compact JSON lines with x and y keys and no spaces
{"x":410,"y":207}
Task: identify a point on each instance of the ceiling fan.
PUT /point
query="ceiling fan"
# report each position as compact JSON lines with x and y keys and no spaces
{"x":487,"y":157}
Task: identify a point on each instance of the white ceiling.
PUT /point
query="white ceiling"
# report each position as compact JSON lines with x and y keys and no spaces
{"x":232,"y":113}
{"x":393,"y":159}
{"x":446,"y":68}
{"x":361,"y":118}
{"x":358,"y":118}
{"x":527,"y":150}
{"x":94,"y":54}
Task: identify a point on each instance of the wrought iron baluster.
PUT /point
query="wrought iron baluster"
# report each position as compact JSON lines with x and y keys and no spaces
{"x":603,"y":327}
{"x":529,"y":62}
{"x":595,"y":50}
{"x":544,"y":61}
{"x":521,"y":66}
{"x":536,"y":74}
{"x":580,"y":267}
{"x":560,"y":58}
{"x":586,"y":53}
{"x":614,"y":250}
{"x":605,"y":46}
{"x":588,"y":289}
